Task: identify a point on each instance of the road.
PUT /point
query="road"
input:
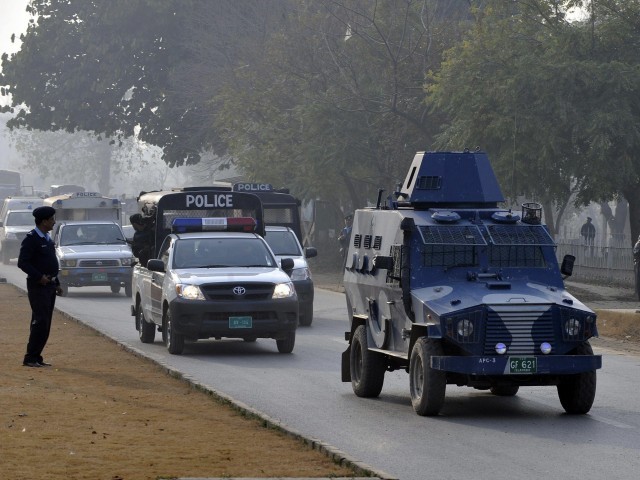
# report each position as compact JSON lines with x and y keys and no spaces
{"x":476,"y":436}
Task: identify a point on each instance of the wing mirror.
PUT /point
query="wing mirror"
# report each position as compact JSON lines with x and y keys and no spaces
{"x":566,"y":268}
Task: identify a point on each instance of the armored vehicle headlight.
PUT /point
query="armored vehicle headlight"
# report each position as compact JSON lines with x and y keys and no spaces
{"x":128,"y":261}
{"x":283,"y":290}
{"x":572,"y":327}
{"x":501,"y":348}
{"x":545,"y":347}
{"x":464,"y":327}
{"x":71,"y":262}
{"x":300,"y":274}
{"x":190,"y":292}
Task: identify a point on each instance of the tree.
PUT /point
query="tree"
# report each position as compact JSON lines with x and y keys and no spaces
{"x":554,"y":101}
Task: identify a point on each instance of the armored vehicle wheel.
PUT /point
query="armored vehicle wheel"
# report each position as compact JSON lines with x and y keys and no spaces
{"x":173,"y":341}
{"x":65,"y":290}
{"x":577,"y":392}
{"x":306,"y":316}
{"x":115,"y":288}
{"x":505,"y":390}
{"x":426,"y":384}
{"x":128,"y":289}
{"x":367,"y":368}
{"x":146,"y":330}
{"x":285,"y":345}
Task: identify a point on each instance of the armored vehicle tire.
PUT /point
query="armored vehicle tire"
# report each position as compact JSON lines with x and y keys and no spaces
{"x":146,"y":330}
{"x":367,"y":367}
{"x":505,"y":390}
{"x":577,"y":392}
{"x":172,"y":340}
{"x":115,"y":288}
{"x":65,"y":290}
{"x":306,"y":316}
{"x":285,"y":345}
{"x":128,"y":289}
{"x":427,"y":385}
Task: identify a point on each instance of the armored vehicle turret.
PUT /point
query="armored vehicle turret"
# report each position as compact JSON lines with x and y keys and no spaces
{"x":443,"y":283}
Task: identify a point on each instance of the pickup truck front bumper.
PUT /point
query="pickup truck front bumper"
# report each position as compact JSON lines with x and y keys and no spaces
{"x":85,"y":277}
{"x":233,"y":319}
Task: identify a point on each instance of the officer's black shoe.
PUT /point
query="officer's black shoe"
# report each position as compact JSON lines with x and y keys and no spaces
{"x":44,"y":364}
{"x":31,"y":364}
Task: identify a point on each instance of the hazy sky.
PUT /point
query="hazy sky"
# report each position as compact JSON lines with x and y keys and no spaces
{"x":13,"y":19}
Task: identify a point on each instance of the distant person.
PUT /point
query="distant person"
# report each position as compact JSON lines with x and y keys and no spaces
{"x":142,"y":242}
{"x":345,"y":236}
{"x":588,"y":233}
{"x":38,"y":260}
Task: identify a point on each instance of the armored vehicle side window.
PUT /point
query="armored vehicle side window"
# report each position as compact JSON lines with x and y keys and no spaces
{"x":164,"y":252}
{"x":451,"y":245}
{"x":518,"y":245}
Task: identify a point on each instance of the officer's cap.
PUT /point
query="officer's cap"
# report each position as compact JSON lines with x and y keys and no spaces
{"x":349,"y":216}
{"x":588,"y":218}
{"x":136,"y":218}
{"x":42,"y":213}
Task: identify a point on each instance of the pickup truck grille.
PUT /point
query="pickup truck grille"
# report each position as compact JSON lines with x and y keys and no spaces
{"x":225,"y":291}
{"x":99,"y":263}
{"x":522,"y":331}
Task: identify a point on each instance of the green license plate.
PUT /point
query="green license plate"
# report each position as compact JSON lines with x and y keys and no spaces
{"x":523,"y":364}
{"x":240,"y":322}
{"x":99,"y":277}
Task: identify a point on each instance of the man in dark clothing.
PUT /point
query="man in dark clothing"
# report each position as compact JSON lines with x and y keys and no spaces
{"x":38,"y":260}
{"x":588,"y":233}
{"x":142,"y":242}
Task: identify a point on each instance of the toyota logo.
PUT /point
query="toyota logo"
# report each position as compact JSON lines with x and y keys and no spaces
{"x":239,"y":290}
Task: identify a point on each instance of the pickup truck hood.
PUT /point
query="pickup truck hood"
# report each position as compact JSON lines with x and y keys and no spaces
{"x":93,"y":251}
{"x":200,"y":276}
{"x":18,"y":229}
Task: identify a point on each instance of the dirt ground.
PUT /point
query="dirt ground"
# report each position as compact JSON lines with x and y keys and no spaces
{"x":90,"y":416}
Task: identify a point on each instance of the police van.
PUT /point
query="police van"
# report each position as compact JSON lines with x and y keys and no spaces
{"x":82,"y":206}
{"x":212,"y":274}
{"x":443,"y":283}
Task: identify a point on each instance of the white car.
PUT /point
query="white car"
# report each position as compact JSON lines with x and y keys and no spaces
{"x":93,"y":253}
{"x":285,"y":244}
{"x":13,"y":228}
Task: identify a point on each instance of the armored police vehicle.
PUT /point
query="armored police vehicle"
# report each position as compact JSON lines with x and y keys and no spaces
{"x":442,"y":283}
{"x":213,"y":275}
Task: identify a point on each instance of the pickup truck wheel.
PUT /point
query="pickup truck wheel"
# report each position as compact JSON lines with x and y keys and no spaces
{"x":367,"y":368}
{"x":146,"y":330}
{"x":577,"y":392}
{"x":427,"y":385}
{"x":306,"y":316}
{"x":173,"y":341}
{"x":65,"y":290}
{"x":128,"y":289}
{"x":285,"y":345}
{"x":505,"y":390}
{"x":115,"y":288}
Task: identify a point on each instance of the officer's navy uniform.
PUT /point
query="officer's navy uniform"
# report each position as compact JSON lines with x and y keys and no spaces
{"x":37,"y":258}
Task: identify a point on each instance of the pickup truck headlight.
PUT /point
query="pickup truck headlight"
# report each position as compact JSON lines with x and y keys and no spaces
{"x":11,"y":236}
{"x":190,"y":292}
{"x":298,"y":274}
{"x":127,"y":262}
{"x":284,"y":290}
{"x":71,"y":262}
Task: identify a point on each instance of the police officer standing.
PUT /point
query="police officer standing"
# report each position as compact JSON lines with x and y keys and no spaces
{"x":38,"y":260}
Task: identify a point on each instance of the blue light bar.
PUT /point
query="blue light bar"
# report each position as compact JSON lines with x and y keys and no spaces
{"x":213,"y":224}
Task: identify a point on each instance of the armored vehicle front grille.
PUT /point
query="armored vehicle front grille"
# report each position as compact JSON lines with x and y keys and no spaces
{"x":377,"y":242}
{"x":98,"y":263}
{"x":357,"y":240}
{"x":521,"y":328}
{"x":367,"y":241}
{"x":225,"y":291}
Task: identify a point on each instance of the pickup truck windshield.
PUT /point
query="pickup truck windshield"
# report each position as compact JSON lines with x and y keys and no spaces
{"x":15,"y":219}
{"x":282,"y":243}
{"x":91,"y":234}
{"x":221,"y":253}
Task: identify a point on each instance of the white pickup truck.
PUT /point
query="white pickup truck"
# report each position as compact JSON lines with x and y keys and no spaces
{"x":212,"y":277}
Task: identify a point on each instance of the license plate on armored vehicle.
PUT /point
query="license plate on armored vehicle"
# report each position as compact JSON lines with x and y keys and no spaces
{"x":240,"y":322}
{"x":99,"y":277}
{"x":523,"y":365}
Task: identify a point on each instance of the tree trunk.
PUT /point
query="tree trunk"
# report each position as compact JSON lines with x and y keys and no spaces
{"x":632,"y":194}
